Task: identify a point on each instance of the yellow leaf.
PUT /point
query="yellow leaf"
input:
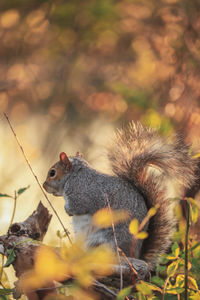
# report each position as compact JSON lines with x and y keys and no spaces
{"x":133,"y":226}
{"x":177,"y":251}
{"x":57,"y":297}
{"x":178,"y":287}
{"x":103,"y":258}
{"x":171,"y":257}
{"x":153,"y":287}
{"x":194,"y":214}
{"x":85,"y":265}
{"x":192,"y":283}
{"x":173,"y":290}
{"x":141,"y":235}
{"x":172,"y":268}
{"x":144,"y":289}
{"x":81,"y":294}
{"x":194,"y":296}
{"x":178,"y":211}
{"x":192,"y":201}
{"x":48,"y":265}
{"x":180,"y":281}
{"x":72,"y":261}
{"x":85,"y":278}
{"x":152,"y":211}
{"x":197,"y":155}
{"x":73,"y":252}
{"x":105,"y":217}
{"x":196,"y":251}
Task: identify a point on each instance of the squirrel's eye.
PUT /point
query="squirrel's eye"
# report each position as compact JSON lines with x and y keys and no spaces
{"x":52,"y":173}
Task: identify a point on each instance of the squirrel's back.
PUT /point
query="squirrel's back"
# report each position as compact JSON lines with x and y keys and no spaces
{"x":135,"y":154}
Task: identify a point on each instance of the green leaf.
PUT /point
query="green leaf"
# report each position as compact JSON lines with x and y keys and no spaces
{"x":4,"y":297}
{"x":194,"y":214}
{"x":139,"y":296}
{"x":5,"y":195}
{"x":170,"y":297}
{"x":174,"y":291}
{"x":158,"y":281}
{"x":161,"y":269}
{"x":20,"y":191}
{"x":58,"y":233}
{"x":124,"y":292}
{"x":163,"y":259}
{"x":6,"y":291}
{"x":11,"y":257}
{"x":172,"y":268}
{"x":153,"y":287}
{"x":195,"y":246}
{"x":175,"y":252}
{"x":174,"y":247}
{"x":144,"y":289}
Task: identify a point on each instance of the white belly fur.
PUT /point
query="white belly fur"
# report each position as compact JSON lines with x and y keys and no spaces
{"x":83,"y":228}
{"x":81,"y":224}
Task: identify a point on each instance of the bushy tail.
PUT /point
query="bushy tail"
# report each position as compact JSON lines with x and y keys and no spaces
{"x":135,"y":150}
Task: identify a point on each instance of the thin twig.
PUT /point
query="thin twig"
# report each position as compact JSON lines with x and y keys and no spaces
{"x":129,"y":263}
{"x":116,"y":244}
{"x":1,"y":283}
{"x":164,"y":288}
{"x":14,"y":209}
{"x":26,"y":159}
{"x":104,"y":287}
{"x":147,"y":218}
{"x":95,"y":283}
{"x":132,"y":246}
{"x":1,"y":270}
{"x":144,"y":222}
{"x":186,"y":248}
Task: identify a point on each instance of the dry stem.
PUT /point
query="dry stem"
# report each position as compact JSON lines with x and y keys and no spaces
{"x":116,"y":244}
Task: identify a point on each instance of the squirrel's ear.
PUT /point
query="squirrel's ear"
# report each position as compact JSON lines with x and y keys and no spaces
{"x":65,"y":160}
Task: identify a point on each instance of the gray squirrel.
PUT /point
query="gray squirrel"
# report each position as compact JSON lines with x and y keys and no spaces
{"x":135,"y":154}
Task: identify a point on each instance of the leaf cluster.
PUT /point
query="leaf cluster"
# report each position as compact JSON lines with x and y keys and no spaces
{"x":177,"y":275}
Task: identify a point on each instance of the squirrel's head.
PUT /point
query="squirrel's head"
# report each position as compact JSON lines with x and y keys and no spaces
{"x":56,"y":176}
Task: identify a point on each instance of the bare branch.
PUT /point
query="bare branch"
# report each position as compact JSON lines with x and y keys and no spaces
{"x":29,"y":165}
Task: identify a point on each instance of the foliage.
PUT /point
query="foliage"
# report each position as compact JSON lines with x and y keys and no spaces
{"x":72,"y":261}
{"x":105,"y":217}
{"x":14,"y":197}
{"x":11,"y":255}
{"x":176,"y":275}
{"x":17,"y":193}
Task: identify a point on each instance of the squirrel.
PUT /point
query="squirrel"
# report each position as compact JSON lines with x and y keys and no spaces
{"x":135,"y":155}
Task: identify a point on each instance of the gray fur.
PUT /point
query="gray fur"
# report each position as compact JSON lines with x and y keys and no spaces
{"x":85,"y":192}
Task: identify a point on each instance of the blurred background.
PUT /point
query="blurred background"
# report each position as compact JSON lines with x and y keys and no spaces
{"x":71,"y":72}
